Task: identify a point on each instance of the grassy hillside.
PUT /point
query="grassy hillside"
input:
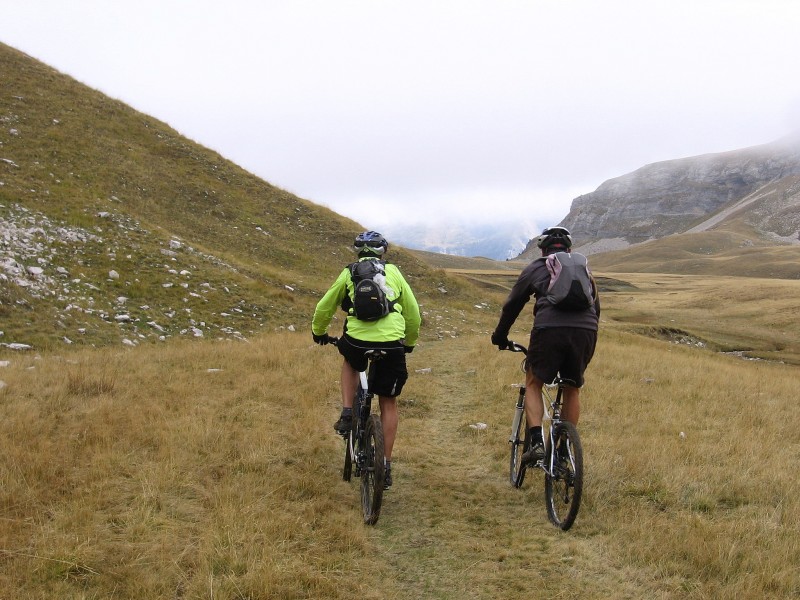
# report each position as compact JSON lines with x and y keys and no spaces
{"x":117,"y":228}
{"x":733,"y":249}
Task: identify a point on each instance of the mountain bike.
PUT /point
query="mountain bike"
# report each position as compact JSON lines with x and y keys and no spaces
{"x":563,"y":455}
{"x":363,"y":451}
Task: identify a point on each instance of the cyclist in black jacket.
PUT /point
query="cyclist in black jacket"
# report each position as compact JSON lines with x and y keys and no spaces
{"x":561,"y":341}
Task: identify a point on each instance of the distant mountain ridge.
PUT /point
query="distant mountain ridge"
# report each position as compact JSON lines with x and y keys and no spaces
{"x":757,"y":185}
{"x":497,"y":241}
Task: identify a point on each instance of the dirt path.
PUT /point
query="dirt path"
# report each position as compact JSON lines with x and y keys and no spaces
{"x":452,"y":526}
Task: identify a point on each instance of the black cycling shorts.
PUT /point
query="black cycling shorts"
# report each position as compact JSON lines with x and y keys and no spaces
{"x":390,"y":370}
{"x":564,"y":350}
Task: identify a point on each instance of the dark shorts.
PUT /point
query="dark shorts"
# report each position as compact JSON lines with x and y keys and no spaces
{"x":564,"y":350}
{"x":390,"y":370}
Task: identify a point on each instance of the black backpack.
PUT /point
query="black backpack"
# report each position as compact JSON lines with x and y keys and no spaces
{"x":369,"y":298}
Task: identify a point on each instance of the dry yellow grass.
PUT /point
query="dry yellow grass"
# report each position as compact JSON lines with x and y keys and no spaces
{"x":755,"y":316}
{"x":210,"y":469}
{"x":142,"y":474}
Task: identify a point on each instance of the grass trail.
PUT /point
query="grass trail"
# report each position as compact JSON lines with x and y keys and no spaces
{"x":452,"y":526}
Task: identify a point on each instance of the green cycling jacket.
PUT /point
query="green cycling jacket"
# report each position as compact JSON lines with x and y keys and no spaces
{"x":401,"y":324}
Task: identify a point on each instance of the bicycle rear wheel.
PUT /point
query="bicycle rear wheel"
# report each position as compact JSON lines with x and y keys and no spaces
{"x":519,"y":445}
{"x":564,"y":486}
{"x":373,"y":472}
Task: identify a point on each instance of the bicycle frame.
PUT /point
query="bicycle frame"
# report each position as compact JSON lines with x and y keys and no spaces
{"x":563,"y":453}
{"x":362,"y":407}
{"x":551,"y":420}
{"x":364,"y":445}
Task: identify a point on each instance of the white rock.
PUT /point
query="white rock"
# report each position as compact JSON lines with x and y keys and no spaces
{"x":112,"y":274}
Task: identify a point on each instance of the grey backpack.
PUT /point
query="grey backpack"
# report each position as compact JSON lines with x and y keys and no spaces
{"x":571,"y":286}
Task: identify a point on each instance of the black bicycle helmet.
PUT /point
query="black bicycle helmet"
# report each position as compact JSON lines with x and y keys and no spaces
{"x":554,"y":237}
{"x":370,"y":243}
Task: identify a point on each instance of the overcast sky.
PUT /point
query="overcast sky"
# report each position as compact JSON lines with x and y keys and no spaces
{"x":405,"y":109}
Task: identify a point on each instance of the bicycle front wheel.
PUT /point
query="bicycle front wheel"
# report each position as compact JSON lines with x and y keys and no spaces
{"x":347,"y":470}
{"x":373,"y":472}
{"x":519,"y":445}
{"x":563,"y":485}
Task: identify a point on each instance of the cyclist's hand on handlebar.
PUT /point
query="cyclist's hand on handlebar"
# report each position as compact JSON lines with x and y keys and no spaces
{"x":321,"y":339}
{"x":501,"y":341}
{"x":408,"y":349}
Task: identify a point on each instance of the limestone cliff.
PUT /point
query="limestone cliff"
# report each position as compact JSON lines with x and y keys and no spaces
{"x":676,"y":196}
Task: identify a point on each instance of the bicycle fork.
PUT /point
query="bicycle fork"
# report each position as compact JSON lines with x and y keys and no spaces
{"x":519,"y":414}
{"x":362,"y":410}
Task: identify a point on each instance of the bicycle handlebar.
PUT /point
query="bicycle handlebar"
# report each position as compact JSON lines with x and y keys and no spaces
{"x":515,"y":347}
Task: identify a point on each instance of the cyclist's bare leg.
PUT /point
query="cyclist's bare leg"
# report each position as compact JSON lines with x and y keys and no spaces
{"x":534,"y":409}
{"x":349,"y":384}
{"x":571,"y":409}
{"x":389,"y":419}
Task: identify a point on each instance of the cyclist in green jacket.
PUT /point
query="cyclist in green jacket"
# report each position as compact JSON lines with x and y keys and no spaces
{"x":397,"y":332}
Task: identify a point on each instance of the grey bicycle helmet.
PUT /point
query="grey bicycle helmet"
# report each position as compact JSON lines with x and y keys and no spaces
{"x":370,"y":243}
{"x":554,"y":237}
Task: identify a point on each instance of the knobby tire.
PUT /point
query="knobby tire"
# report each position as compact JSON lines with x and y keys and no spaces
{"x":373,"y":473}
{"x":347,"y":470}
{"x":519,"y":445}
{"x":564,"y":487}
{"x":351,"y":437}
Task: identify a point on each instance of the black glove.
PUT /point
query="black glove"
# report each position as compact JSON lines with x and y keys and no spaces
{"x":408,"y":349}
{"x":499,"y":340}
{"x":321,"y":339}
